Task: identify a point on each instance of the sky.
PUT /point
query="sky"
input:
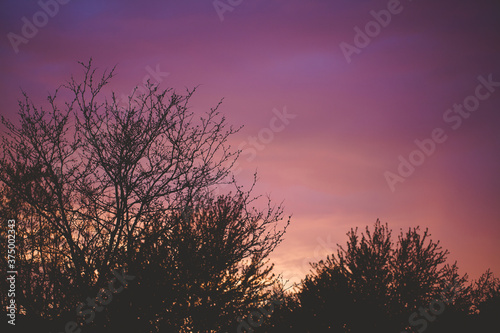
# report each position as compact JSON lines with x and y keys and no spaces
{"x":353,"y":110}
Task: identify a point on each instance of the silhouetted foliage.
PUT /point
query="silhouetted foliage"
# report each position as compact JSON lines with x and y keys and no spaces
{"x":104,"y":193}
{"x":95,"y":186}
{"x":374,"y":285}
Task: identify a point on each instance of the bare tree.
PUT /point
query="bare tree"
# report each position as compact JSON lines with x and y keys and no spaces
{"x":95,"y":186}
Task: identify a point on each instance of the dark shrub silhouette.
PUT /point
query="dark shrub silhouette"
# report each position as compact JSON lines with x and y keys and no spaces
{"x":375,"y":285}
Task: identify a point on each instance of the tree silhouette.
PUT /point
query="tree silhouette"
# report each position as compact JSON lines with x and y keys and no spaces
{"x":95,"y":186}
{"x":374,"y":285}
{"x":121,"y":226}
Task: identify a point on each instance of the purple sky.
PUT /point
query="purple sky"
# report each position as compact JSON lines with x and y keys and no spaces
{"x":350,"y":118}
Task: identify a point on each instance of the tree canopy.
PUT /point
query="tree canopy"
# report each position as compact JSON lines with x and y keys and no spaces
{"x":128,"y":218}
{"x":96,"y":186}
{"x":374,"y":284}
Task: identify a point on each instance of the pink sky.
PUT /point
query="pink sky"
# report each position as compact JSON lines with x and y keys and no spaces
{"x":352,"y":120}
